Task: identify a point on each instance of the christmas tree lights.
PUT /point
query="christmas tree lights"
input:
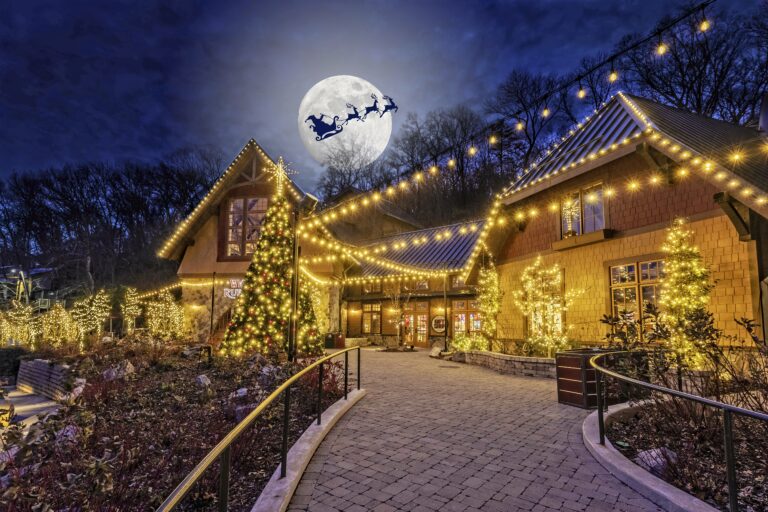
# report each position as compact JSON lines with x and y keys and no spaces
{"x":685,"y":288}
{"x":90,"y":314}
{"x":260,"y":319}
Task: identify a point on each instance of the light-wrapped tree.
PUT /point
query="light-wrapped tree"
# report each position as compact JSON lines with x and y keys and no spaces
{"x":489,"y":301}
{"x":165,"y":318}
{"x":58,"y":328}
{"x":91,"y":313}
{"x":130,"y":308}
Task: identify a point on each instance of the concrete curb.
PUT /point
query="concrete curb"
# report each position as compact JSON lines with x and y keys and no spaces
{"x":279,"y":491}
{"x":664,"y":495}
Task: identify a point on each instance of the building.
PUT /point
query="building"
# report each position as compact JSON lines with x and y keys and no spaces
{"x":599,"y":203}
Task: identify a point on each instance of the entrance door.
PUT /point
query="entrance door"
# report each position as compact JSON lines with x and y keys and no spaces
{"x":416,"y":326}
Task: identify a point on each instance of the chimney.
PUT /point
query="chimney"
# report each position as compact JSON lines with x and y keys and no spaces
{"x":762,"y":124}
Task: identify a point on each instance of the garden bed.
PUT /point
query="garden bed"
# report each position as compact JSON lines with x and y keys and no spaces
{"x":132,"y":439}
{"x":694,"y":456}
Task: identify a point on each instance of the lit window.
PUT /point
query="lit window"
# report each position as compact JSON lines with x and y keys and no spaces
{"x":466,"y":318}
{"x":457,"y":282}
{"x":582,"y":212}
{"x":632,"y":290}
{"x":372,"y":318}
{"x":374,"y":287}
{"x":244,"y":218}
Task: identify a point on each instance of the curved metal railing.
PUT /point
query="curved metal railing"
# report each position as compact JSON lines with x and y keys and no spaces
{"x":222,"y":451}
{"x":728,"y":412}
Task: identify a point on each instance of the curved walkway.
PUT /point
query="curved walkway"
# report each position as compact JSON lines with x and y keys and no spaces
{"x":436,"y":435}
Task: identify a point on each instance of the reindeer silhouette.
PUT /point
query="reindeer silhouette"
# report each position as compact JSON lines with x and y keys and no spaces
{"x":322,"y":129}
{"x":352,"y":115}
{"x":389,"y":106}
{"x":372,"y":108}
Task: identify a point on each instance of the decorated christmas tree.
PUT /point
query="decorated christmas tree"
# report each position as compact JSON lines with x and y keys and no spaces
{"x":260,"y":319}
{"x":684,"y":289}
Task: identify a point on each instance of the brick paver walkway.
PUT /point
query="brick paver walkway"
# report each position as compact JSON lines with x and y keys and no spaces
{"x":434,"y":435}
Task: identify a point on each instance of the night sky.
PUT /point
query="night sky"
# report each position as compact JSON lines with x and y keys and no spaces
{"x":88,"y":81}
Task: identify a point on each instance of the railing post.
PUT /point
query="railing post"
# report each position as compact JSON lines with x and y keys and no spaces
{"x":346,"y":373}
{"x":600,"y":419}
{"x":679,"y":371}
{"x":358,"y":368}
{"x":320,"y":395}
{"x":730,"y":463}
{"x":224,"y":463}
{"x":286,"y":424}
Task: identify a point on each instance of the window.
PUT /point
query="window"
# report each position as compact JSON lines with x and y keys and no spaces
{"x":582,"y":212}
{"x":633,"y":286}
{"x":372,"y":318}
{"x":457,"y":282}
{"x":466,"y":318}
{"x":374,"y":287}
{"x":421,"y":285}
{"x":244,"y":217}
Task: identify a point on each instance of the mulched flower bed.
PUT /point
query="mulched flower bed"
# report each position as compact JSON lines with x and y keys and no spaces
{"x":695,"y":435}
{"x":126,"y":443}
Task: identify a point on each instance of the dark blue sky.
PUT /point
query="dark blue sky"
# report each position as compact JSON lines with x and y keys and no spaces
{"x":85,"y":81}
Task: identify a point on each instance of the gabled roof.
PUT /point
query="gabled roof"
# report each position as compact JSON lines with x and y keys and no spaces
{"x":627,"y":121}
{"x":443,"y":248}
{"x":385,"y":206}
{"x":173,"y":246}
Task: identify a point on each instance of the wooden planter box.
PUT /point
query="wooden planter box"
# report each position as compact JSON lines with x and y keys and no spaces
{"x":575,"y":378}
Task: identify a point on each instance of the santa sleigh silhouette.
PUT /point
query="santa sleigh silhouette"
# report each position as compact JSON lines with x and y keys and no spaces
{"x":325,"y":129}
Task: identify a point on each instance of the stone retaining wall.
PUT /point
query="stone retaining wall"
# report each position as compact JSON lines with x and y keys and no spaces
{"x":41,"y":377}
{"x":515,"y":365}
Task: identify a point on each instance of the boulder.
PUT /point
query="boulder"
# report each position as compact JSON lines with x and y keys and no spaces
{"x":435,"y":352}
{"x":258,"y":361}
{"x":203,"y":381}
{"x":240,"y":393}
{"x":118,"y":372}
{"x":656,"y":460}
{"x":242,"y":411}
{"x":67,"y":434}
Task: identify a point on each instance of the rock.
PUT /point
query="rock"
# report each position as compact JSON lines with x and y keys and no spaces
{"x":68,"y":434}
{"x":656,"y":460}
{"x":435,"y":352}
{"x":258,"y":361}
{"x":8,"y":455}
{"x":106,"y":339}
{"x":203,"y":381}
{"x":242,"y":411}
{"x":118,"y":372}
{"x":240,"y":393}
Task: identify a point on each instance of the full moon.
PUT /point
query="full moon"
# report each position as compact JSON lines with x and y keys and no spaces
{"x":360,"y":141}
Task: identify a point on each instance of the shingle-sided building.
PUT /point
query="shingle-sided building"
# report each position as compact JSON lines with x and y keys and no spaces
{"x":599,"y":203}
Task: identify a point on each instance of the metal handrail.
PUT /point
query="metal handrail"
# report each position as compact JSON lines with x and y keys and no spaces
{"x":728,"y":411}
{"x":222,"y":450}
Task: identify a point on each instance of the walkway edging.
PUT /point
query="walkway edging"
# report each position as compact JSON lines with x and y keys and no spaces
{"x":663,"y":494}
{"x":278,"y":492}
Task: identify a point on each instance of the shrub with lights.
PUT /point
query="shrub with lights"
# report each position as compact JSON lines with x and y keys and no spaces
{"x":130,"y":309}
{"x":58,"y":328}
{"x":91,"y":313}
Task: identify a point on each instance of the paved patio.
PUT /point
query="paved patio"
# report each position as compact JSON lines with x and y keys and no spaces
{"x":435,"y":435}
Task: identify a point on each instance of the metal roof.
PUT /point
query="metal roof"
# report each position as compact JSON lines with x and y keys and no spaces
{"x":610,"y":125}
{"x":440,"y":248}
{"x":626,"y":117}
{"x":714,"y":139}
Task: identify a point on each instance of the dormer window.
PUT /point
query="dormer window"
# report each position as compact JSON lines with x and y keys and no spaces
{"x":582,"y":212}
{"x":243,"y":225}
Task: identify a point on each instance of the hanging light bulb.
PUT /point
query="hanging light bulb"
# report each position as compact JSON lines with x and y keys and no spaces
{"x":545,"y":112}
{"x":492,"y":140}
{"x":662,"y":47}
{"x":519,"y":126}
{"x":705,"y":24}
{"x":613,"y":75}
{"x":582,"y":93}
